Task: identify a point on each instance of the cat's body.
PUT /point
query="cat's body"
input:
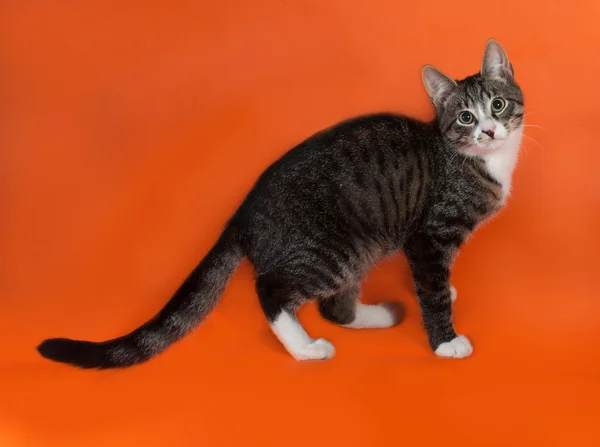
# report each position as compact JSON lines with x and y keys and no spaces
{"x":325,"y":213}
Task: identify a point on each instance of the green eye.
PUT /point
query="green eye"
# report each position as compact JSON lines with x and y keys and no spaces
{"x":498,"y":105}
{"x":466,"y":117}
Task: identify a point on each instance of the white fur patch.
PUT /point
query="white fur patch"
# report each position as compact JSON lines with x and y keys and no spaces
{"x":501,"y":162}
{"x":480,"y":114}
{"x":373,"y":316}
{"x":458,"y":348}
{"x":452,"y":293}
{"x":297,"y":342}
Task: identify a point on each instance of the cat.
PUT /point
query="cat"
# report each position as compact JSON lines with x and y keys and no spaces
{"x":319,"y":218}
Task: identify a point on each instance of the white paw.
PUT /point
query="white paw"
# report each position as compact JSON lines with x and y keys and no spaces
{"x":452,"y":293}
{"x":376,"y":315}
{"x":457,"y":348}
{"x":320,"y":349}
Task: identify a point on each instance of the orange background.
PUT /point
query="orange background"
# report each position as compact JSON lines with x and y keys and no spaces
{"x":129,"y":135}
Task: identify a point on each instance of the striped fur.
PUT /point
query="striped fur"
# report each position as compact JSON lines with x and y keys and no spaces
{"x":325,"y":213}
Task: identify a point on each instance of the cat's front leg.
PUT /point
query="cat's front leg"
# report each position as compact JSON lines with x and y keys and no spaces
{"x":430,"y":262}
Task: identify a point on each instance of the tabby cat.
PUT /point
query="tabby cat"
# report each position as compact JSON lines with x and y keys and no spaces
{"x":319,"y":218}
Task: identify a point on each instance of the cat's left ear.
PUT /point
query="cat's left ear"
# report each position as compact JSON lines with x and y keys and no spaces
{"x":495,"y":62}
{"x":437,"y":84}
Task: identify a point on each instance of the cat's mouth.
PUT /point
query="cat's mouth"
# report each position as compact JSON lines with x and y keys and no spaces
{"x":491,"y":143}
{"x":484,"y":147}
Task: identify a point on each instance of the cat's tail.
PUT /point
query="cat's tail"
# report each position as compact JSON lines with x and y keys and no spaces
{"x":194,"y":299}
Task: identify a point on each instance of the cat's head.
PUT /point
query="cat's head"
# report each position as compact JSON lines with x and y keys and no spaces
{"x":478,"y":114}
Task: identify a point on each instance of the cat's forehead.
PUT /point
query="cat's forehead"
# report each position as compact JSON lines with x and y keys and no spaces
{"x":476,"y":89}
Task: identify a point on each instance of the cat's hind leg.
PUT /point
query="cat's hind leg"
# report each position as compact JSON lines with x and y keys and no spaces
{"x":279,"y":303}
{"x":345,"y":309}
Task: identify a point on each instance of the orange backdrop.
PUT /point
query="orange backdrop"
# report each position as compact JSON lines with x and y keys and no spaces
{"x":130,"y":133}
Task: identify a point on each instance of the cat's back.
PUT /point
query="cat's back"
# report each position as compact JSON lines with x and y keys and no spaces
{"x":364,"y":176}
{"x":360,"y":145}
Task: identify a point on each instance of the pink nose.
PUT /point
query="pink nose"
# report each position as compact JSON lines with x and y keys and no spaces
{"x":488,"y":127}
{"x":489,"y":132}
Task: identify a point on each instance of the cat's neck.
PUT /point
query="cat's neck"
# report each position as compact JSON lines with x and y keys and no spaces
{"x":501,"y":163}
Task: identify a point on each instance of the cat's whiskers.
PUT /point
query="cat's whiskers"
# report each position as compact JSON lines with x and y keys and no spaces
{"x":534,"y":126}
{"x":524,"y":147}
{"x":456,"y":154}
{"x":463,"y":163}
{"x":532,"y":139}
{"x":530,"y":112}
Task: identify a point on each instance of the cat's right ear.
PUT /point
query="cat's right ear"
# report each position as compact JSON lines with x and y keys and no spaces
{"x":495,"y":62}
{"x":437,"y":84}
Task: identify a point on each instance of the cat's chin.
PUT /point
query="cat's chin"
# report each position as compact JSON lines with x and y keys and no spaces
{"x":487,"y":147}
{"x":492,"y":145}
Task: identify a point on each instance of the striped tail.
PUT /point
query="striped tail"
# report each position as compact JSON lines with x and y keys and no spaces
{"x":192,"y":302}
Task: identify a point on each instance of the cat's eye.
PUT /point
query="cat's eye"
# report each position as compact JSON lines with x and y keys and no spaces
{"x":498,"y":105}
{"x":466,"y":117}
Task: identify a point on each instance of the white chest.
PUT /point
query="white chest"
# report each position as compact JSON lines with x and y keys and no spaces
{"x":501,"y":163}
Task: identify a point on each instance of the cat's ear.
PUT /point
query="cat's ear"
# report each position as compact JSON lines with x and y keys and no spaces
{"x":436,"y":83}
{"x":495,"y":62}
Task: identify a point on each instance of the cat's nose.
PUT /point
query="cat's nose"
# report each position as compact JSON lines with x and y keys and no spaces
{"x":488,"y":127}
